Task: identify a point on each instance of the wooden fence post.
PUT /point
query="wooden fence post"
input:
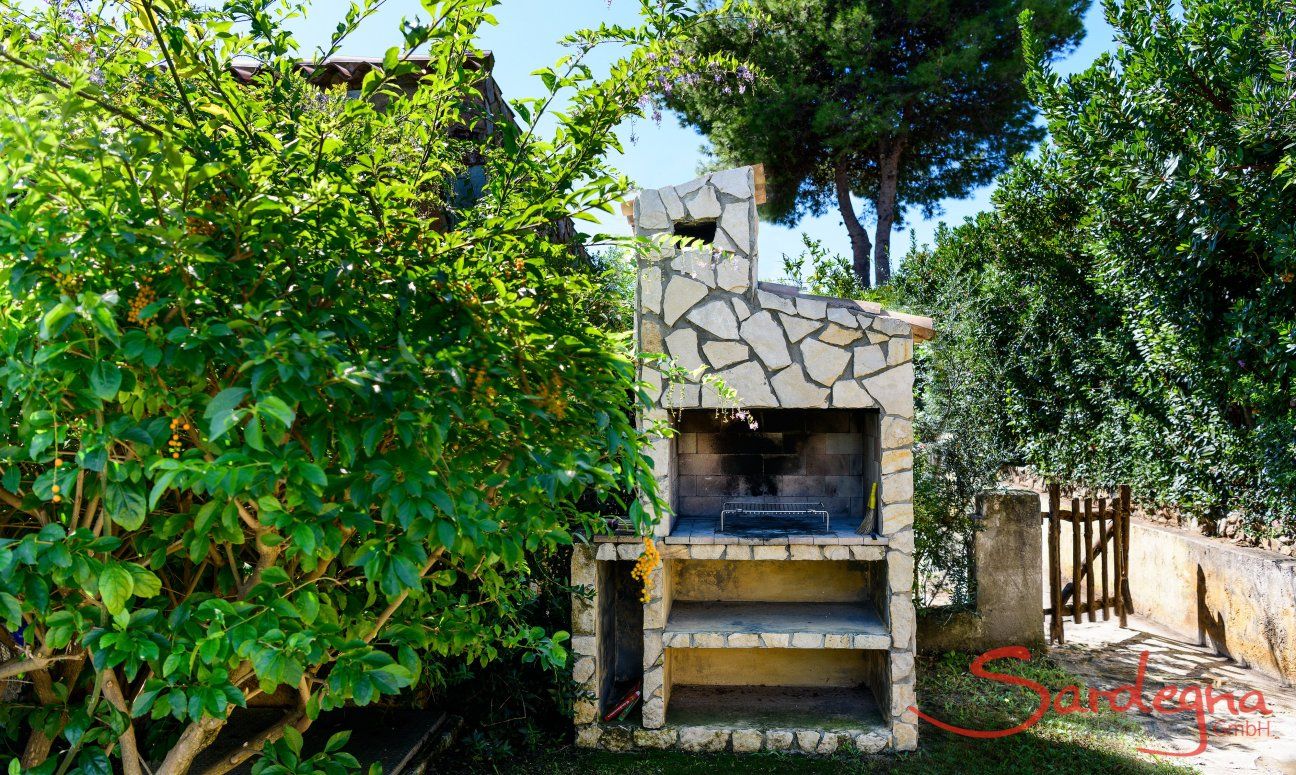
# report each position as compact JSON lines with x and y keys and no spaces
{"x":1118,"y":555}
{"x":1104,"y":537}
{"x":1055,"y":562}
{"x":1076,"y":538}
{"x":1089,"y":559}
{"x":1125,"y":544}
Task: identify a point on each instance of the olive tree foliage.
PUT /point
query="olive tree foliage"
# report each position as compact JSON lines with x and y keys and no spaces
{"x":1127,"y":311}
{"x":281,"y":413}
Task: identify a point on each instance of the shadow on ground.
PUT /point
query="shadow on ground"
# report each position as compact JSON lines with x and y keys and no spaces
{"x":1105,"y":656}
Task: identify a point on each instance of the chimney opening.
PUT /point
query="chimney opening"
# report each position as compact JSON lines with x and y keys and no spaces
{"x":699,"y":230}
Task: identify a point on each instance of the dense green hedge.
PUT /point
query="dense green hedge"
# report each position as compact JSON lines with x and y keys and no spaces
{"x":281,"y":408}
{"x":1126,"y":311}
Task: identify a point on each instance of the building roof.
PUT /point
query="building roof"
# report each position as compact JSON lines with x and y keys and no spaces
{"x":493,"y":109}
{"x":351,"y":72}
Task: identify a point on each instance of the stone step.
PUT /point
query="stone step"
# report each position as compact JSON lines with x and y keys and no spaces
{"x":774,"y":625}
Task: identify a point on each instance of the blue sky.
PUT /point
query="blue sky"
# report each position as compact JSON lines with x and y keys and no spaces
{"x":526,"y":38}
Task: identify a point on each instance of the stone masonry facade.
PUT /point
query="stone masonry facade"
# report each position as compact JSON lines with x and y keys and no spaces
{"x":776,"y":348}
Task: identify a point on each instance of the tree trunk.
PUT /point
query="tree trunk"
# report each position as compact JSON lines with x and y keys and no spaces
{"x":253,"y":747}
{"x":129,"y":748}
{"x":37,"y":750}
{"x":39,"y":744}
{"x":860,"y":246}
{"x":197,"y":736}
{"x":888,"y":180}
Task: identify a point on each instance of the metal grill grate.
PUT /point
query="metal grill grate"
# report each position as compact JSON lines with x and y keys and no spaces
{"x":768,"y":508}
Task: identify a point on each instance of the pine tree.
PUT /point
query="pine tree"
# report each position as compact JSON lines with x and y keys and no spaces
{"x":902,"y":104}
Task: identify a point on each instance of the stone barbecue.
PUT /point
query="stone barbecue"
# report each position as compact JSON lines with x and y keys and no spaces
{"x":791,"y":626}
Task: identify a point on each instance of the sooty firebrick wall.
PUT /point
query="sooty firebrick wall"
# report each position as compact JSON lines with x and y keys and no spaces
{"x":829,"y":455}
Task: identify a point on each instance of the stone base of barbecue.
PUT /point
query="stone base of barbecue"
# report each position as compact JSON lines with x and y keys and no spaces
{"x":798,"y":647}
{"x":710,"y":739}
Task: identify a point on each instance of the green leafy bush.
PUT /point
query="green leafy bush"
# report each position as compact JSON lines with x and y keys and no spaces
{"x":831,"y":274}
{"x":283,"y":410}
{"x":1127,"y":312}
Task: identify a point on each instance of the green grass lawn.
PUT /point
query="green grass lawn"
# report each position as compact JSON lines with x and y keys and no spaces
{"x":1080,"y":743}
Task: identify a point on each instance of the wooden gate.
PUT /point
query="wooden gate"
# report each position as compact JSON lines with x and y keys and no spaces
{"x":1098,"y":562}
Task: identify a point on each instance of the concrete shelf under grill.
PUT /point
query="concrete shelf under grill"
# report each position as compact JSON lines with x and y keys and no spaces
{"x":830,"y":708}
{"x":774,"y":625}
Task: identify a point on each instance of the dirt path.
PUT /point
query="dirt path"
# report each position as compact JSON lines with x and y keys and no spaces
{"x":1107,"y":657}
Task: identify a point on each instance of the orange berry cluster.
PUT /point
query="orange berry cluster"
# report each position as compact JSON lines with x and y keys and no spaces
{"x":144,"y":297}
{"x":175,"y":444}
{"x":478,"y":377}
{"x":551,"y":396}
{"x":468,"y":294}
{"x":196,"y":225}
{"x":58,"y":463}
{"x":643,"y":567}
{"x":68,"y":282}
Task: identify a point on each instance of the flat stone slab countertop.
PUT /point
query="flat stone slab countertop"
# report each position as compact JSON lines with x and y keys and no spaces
{"x":774,"y":625}
{"x":706,"y":530}
{"x":871,"y":552}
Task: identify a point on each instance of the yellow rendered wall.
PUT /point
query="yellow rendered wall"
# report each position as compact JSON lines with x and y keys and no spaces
{"x":773,"y":581}
{"x":769,"y":667}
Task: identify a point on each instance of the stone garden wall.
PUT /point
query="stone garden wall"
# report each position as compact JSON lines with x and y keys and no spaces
{"x":1237,"y":599}
{"x":1006,"y":555}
